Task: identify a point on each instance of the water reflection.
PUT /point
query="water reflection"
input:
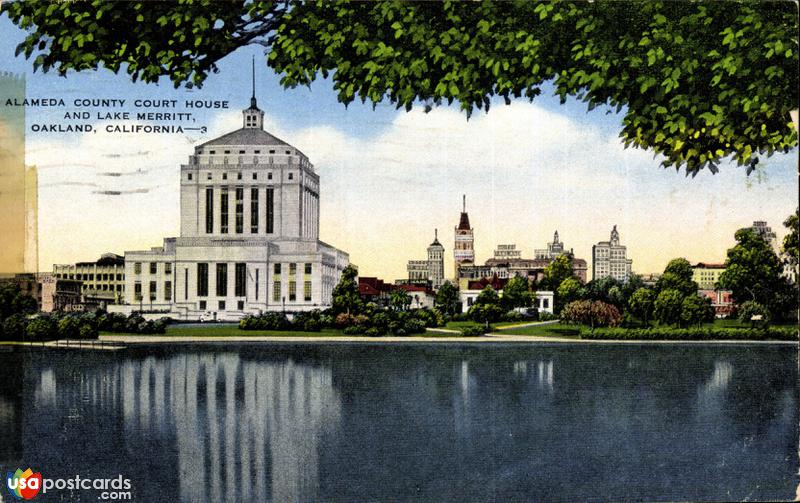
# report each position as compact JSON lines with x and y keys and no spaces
{"x":341,"y":424}
{"x":241,"y":430}
{"x":720,"y":378}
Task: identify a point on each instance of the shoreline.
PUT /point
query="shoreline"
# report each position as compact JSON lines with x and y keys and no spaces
{"x":489,"y":338}
{"x":116,"y":342}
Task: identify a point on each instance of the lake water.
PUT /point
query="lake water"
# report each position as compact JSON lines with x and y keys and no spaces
{"x":412,"y":423}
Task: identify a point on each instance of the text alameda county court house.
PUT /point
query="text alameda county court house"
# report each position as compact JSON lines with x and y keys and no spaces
{"x":249,"y":235}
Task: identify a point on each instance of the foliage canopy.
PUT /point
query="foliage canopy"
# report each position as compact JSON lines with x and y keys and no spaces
{"x":698,"y":81}
{"x":753,"y":272}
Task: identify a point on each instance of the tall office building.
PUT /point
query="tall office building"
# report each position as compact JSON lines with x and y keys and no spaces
{"x":761,"y":228}
{"x":553,"y":250}
{"x":18,"y":185}
{"x":430,"y":271}
{"x":609,"y":258}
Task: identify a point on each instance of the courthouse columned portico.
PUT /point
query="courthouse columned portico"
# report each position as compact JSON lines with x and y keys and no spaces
{"x":249,"y":236}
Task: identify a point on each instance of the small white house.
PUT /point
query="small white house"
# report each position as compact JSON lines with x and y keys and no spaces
{"x":543,"y":302}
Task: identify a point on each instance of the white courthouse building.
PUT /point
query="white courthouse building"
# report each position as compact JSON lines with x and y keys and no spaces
{"x":249,"y":235}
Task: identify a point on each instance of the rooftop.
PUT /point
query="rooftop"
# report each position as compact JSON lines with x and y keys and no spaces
{"x":246,"y":136}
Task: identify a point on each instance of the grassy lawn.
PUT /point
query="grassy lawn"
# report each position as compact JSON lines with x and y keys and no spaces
{"x":552,"y":330}
{"x":213,"y":330}
{"x":458,"y":325}
{"x":738,"y":324}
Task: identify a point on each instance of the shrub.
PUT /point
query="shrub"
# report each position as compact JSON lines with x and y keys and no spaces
{"x":308,"y":321}
{"x":112,"y":322}
{"x":266,"y":321}
{"x":412,"y":326}
{"x":370,"y":332}
{"x":344,"y":320}
{"x":87,"y":331}
{"x":14,"y":327}
{"x":354,"y":330}
{"x":42,"y":328}
{"x":249,"y":322}
{"x":513,"y":316}
{"x":311,"y":325}
{"x":381,"y":321}
{"x":752,"y":309}
{"x":545,"y":316}
{"x":694,"y":334}
{"x":159,"y":327}
{"x":474,"y":331}
{"x":430,"y":317}
{"x":69,"y":327}
{"x":275,"y":321}
{"x":134,"y":321}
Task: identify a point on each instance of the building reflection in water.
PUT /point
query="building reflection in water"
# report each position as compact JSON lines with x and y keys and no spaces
{"x":543,"y":375}
{"x":353,"y":424}
{"x":242,"y":430}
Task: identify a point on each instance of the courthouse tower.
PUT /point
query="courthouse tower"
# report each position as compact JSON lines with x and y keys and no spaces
{"x":249,"y":238}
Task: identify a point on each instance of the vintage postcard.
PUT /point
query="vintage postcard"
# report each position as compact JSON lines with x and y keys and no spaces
{"x":286,"y":251}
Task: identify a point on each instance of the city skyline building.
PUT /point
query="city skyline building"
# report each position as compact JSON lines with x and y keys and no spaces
{"x":103,"y":280}
{"x":431,"y":270}
{"x":707,"y":274}
{"x":18,"y":186}
{"x":464,"y":241}
{"x":553,"y":250}
{"x":507,"y":252}
{"x":761,"y":228}
{"x":609,"y":258}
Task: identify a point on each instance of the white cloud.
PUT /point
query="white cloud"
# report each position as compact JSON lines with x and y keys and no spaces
{"x":526,"y":172}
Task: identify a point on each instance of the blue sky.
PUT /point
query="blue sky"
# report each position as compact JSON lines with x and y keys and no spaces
{"x":390,"y":177}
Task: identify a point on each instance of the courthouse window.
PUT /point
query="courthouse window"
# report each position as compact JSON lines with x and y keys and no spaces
{"x":202,"y":279}
{"x":209,"y":210}
{"x":239,"y":210}
{"x":240,"y":286}
{"x":270,"y":210}
{"x":276,"y":291}
{"x":222,"y":280}
{"x":254,"y":210}
{"x":223,"y":210}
